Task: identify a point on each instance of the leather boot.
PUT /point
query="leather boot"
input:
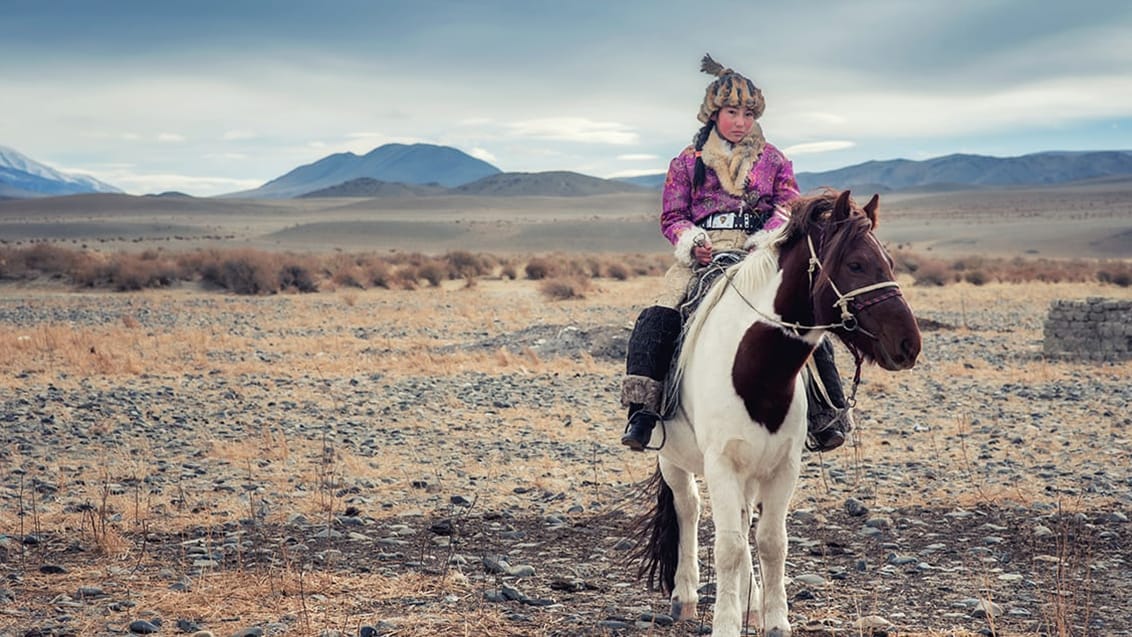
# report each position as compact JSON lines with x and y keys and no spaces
{"x":650,"y":350}
{"x":830,"y":417}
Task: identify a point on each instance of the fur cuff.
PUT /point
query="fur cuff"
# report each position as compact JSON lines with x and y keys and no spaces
{"x":685,"y":244}
{"x":642,"y":390}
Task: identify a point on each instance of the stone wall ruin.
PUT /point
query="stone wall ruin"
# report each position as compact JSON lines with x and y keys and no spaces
{"x":1095,"y":329}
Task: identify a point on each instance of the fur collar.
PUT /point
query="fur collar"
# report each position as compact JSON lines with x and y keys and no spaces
{"x":733,"y":162}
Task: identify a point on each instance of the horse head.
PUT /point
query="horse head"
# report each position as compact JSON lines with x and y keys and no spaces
{"x":852,"y":284}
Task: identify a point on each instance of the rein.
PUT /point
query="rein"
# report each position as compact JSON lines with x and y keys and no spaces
{"x":844,"y":300}
{"x":848,"y":321}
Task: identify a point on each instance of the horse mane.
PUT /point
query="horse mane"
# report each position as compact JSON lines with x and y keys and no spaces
{"x":807,"y":214}
{"x":750,"y":274}
{"x":833,"y":237}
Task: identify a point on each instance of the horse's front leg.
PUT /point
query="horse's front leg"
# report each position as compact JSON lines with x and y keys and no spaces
{"x":686,"y":499}
{"x":770,"y":536}
{"x":732,"y":516}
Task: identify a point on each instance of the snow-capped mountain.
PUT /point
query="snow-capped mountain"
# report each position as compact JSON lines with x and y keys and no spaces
{"x":21,"y":176}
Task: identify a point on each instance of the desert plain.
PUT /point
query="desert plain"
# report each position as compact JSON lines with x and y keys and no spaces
{"x":444,"y":460}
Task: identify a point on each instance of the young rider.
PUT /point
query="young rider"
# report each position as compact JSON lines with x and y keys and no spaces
{"x":727,"y":185}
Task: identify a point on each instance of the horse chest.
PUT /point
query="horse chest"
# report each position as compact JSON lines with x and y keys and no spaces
{"x":763,"y":373}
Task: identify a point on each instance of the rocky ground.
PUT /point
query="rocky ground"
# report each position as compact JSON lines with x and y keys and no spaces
{"x":446,"y":462}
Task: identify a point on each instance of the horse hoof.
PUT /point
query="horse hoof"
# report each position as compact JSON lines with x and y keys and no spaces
{"x":681,"y":611}
{"x":778,"y":632}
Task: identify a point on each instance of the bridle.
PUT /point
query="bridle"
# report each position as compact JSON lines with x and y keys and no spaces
{"x":848,"y":321}
{"x":844,"y":301}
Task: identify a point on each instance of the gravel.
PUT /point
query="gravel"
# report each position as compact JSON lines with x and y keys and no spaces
{"x":977,"y":502}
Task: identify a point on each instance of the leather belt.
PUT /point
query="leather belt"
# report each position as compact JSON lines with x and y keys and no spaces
{"x":746,"y":221}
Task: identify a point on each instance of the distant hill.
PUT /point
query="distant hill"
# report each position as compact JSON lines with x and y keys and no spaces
{"x":544,"y":184}
{"x":958,"y":172}
{"x":973,"y":170}
{"x":22,"y":177}
{"x":645,"y":181}
{"x":408,"y":164}
{"x":368,"y":187}
{"x":558,"y":183}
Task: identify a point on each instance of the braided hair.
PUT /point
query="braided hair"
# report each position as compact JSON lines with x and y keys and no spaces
{"x":698,"y":141}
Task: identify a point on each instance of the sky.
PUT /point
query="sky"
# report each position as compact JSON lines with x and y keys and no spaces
{"x":210,"y":97}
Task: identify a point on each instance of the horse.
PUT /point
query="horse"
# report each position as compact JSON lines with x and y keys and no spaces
{"x":741,"y":419}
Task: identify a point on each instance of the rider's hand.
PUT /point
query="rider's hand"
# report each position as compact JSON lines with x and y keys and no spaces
{"x":701,"y":252}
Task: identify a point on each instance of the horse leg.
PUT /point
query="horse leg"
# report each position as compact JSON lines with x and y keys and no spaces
{"x":732,"y":516}
{"x":750,"y":593}
{"x":686,"y":498}
{"x":770,"y":535}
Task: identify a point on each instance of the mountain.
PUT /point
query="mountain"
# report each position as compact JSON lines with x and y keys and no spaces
{"x":973,"y":170}
{"x":410,"y":164}
{"x":22,"y":177}
{"x":557,"y":183}
{"x":655,"y":180}
{"x":369,"y":187}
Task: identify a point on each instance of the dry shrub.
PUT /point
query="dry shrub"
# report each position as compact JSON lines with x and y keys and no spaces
{"x":379,"y":274}
{"x":432,"y":272}
{"x":1116,"y":273}
{"x":463,"y":264}
{"x":244,"y":272}
{"x":905,"y":262}
{"x":648,"y":264}
{"x":406,"y":277}
{"x":42,"y":259}
{"x":564,"y":288}
{"x":351,"y":275}
{"x":933,"y":273}
{"x":539,"y":268}
{"x":509,"y":271}
{"x":976,"y":277}
{"x":297,"y":274}
{"x":617,"y":270}
{"x":127,"y":272}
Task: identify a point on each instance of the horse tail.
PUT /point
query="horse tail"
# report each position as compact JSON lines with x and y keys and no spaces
{"x":658,"y":555}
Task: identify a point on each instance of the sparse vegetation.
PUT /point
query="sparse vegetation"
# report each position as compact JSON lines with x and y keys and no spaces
{"x":259,"y":272}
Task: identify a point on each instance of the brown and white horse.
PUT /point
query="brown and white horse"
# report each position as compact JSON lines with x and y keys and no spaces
{"x":741,"y":423}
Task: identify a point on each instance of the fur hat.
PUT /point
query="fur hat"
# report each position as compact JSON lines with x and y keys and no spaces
{"x":728,"y":89}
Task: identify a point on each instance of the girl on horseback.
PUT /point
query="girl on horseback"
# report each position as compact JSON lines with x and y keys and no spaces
{"x":729,"y":184}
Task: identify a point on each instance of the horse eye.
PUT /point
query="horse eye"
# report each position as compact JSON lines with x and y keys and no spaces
{"x":856,"y":267}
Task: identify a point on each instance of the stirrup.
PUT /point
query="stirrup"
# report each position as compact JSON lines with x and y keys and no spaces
{"x":833,"y":433}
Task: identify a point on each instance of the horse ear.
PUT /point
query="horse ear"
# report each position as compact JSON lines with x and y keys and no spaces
{"x":871,"y":209}
{"x":841,"y":207}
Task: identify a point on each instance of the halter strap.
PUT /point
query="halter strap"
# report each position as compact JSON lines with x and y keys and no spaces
{"x":843,"y":299}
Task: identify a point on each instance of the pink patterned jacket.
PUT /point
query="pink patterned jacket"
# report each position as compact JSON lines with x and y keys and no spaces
{"x":772,"y":177}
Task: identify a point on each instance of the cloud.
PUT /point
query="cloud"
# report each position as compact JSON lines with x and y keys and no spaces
{"x":484,"y":154}
{"x":170,"y":137}
{"x":238,"y":135}
{"x":575,"y":129}
{"x":638,"y":157}
{"x":622,"y":174}
{"x":818,"y":147}
{"x":138,"y":183}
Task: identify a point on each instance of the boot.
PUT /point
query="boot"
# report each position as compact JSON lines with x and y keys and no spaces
{"x":830,"y":417}
{"x":650,"y":350}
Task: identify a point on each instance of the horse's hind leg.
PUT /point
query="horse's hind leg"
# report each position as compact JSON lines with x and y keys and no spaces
{"x":686,"y":499}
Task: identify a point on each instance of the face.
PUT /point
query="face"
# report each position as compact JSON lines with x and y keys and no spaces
{"x":734,"y":122}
